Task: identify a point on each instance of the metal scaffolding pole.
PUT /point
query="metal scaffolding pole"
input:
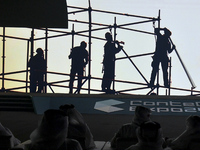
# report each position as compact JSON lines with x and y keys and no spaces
{"x":184,"y":67}
{"x":89,"y":42}
{"x":115,"y":35}
{"x":158,"y":68}
{"x":32,"y":42}
{"x":73,"y":33}
{"x":135,"y":66}
{"x":46,"y":54}
{"x":170,"y":72}
{"x":27,"y":59}
{"x":3,"y":61}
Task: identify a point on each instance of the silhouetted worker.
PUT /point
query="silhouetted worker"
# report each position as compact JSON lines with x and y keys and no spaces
{"x":79,"y":56}
{"x":128,"y":131}
{"x":163,"y":47}
{"x":37,"y":66}
{"x":109,"y":61}
{"x":189,"y":139}
{"x":149,"y":136}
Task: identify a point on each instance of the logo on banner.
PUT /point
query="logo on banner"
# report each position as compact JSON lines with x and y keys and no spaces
{"x":108,"y":105}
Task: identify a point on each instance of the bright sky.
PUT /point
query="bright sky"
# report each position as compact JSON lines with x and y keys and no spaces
{"x":180,"y":16}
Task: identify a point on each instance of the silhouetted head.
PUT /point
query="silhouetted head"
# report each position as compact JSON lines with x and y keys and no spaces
{"x":53,"y":114}
{"x":67,"y":108}
{"x":142,"y":114}
{"x":40,"y":51}
{"x":150,"y":131}
{"x":74,"y":117}
{"x":51,"y":132}
{"x":167,"y":32}
{"x":72,"y":113}
{"x":108,"y":36}
{"x":83,"y":44}
{"x":193,"y":121}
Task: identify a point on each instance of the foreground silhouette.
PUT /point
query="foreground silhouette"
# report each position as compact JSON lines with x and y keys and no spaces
{"x":149,"y":136}
{"x":127,"y":133}
{"x":51,"y":133}
{"x":78,"y":128}
{"x":190,"y":138}
{"x":7,"y":139}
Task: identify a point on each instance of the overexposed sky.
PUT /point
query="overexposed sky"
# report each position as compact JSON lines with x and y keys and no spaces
{"x":180,"y":16}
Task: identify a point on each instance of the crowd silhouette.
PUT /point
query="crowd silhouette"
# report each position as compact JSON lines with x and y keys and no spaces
{"x":66,"y":129}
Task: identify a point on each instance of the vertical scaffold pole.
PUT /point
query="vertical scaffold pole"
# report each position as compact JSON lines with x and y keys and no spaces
{"x":32,"y":42}
{"x":159,"y":19}
{"x":73,"y":32}
{"x":3,"y":61}
{"x":27,"y":59}
{"x":32,"y":45}
{"x":158,"y":68}
{"x":170,"y":72}
{"x":115,"y":34}
{"x":89,"y":44}
{"x":46,"y":56}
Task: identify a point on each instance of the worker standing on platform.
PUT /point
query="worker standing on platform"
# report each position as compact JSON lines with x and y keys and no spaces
{"x":79,"y":56}
{"x":109,"y":61}
{"x":163,"y":47}
{"x":38,"y":67}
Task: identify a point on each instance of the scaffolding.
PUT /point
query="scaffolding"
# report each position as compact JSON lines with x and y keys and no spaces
{"x":88,"y":34}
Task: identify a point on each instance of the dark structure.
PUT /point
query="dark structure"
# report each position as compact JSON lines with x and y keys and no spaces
{"x":33,"y":13}
{"x":92,"y":26}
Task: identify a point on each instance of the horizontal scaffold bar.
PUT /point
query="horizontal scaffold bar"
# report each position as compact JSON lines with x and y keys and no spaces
{"x":111,"y":12}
